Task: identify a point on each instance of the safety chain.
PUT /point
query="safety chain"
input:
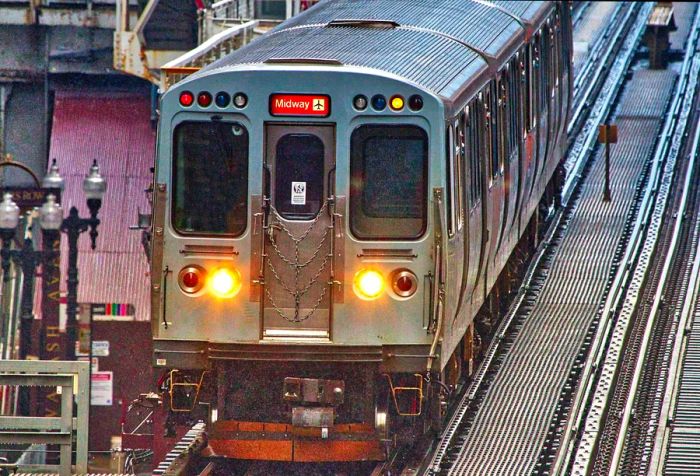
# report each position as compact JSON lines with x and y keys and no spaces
{"x":295,"y":263}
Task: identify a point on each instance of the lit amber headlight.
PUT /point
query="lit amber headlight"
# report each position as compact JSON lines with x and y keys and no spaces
{"x":224,"y":282}
{"x":368,"y":284}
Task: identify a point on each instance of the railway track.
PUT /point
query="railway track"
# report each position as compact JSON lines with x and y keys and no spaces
{"x":628,"y":30}
{"x":601,"y":410}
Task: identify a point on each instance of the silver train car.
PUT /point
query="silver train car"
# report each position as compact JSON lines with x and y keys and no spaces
{"x":333,"y":206}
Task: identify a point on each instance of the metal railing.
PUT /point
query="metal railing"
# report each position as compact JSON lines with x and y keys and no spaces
{"x":214,"y":48}
{"x":61,"y":430}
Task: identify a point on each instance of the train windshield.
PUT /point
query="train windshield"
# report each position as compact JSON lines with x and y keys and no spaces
{"x":210,"y":176}
{"x":389,"y":181}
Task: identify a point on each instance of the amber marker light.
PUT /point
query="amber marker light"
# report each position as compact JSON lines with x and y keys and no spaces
{"x":396,"y":103}
{"x":224,"y":282}
{"x":368,"y":284}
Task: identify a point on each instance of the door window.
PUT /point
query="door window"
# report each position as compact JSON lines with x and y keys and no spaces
{"x":299,"y":176}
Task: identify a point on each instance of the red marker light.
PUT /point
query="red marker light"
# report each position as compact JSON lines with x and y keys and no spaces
{"x":190,"y":279}
{"x":186,"y":98}
{"x":204,"y":99}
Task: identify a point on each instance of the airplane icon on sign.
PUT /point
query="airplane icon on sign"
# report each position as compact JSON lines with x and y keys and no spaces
{"x":319,"y":104}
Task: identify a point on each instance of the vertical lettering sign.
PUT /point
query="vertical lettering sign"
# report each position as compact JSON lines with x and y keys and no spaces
{"x":54,"y":347}
{"x":315,"y":105}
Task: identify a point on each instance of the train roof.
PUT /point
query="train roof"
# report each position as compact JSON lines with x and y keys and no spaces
{"x":439,"y":45}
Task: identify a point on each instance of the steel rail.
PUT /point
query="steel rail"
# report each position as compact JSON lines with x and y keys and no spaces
{"x":675,"y":368}
{"x":671,"y":256}
{"x":577,"y":12}
{"x":675,"y":372}
{"x":591,"y":421}
{"x":585,"y":146}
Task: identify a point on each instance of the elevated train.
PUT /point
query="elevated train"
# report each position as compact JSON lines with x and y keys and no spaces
{"x":333,"y":206}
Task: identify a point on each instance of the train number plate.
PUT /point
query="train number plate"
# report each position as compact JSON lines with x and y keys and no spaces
{"x":317,"y":105}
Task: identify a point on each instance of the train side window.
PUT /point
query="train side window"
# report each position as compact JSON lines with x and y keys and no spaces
{"x":558,"y":48}
{"x":210,"y":155}
{"x":504,"y":117}
{"x":551,"y":58}
{"x":450,"y":188}
{"x":513,"y":107}
{"x":459,"y":170}
{"x":388,"y":182}
{"x":522,"y":92}
{"x":530,"y":86}
{"x":490,"y":141}
{"x":474,"y":154}
{"x":544,"y":69}
{"x":536,"y":81}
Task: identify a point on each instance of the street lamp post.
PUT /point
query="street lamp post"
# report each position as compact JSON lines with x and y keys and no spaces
{"x":94,"y":187}
{"x":52,"y":223}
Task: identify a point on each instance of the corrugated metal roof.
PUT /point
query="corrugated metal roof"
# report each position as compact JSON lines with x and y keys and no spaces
{"x":115,"y":129}
{"x":425,"y":59}
{"x":436,"y":41}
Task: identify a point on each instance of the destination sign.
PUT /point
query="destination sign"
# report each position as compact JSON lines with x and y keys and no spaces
{"x":318,"y":105}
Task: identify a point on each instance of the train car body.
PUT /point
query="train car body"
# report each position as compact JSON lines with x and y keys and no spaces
{"x":333,"y":204}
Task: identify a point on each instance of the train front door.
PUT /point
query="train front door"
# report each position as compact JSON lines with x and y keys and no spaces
{"x":299,"y":176}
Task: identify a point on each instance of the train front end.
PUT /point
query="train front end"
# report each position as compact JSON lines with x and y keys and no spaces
{"x":293,"y":272}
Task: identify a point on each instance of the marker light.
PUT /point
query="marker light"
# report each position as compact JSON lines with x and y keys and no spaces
{"x":404,"y":283}
{"x":378,"y":102}
{"x":396,"y":103}
{"x":224,"y":282}
{"x":186,"y":98}
{"x":222,"y":99}
{"x":360,"y":102}
{"x":204,"y":99}
{"x":368,"y":284}
{"x":240,"y":100}
{"x":191,"y":279}
{"x":415,"y":103}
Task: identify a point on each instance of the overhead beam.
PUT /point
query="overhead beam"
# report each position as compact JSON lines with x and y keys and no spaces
{"x":97,"y":17}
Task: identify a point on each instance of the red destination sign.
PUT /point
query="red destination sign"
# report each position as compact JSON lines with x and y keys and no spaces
{"x":318,"y":105}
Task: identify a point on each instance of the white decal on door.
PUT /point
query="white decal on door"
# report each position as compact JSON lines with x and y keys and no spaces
{"x":298,"y":193}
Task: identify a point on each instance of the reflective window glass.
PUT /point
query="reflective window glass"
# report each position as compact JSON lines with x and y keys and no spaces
{"x":210,"y":175}
{"x":389,"y":182}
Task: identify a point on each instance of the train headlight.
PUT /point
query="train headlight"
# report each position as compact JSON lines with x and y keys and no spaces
{"x":224,"y":282}
{"x":368,"y":284}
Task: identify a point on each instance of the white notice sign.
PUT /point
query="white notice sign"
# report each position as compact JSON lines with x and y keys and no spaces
{"x":298,"y":193}
{"x":101,"y":389}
